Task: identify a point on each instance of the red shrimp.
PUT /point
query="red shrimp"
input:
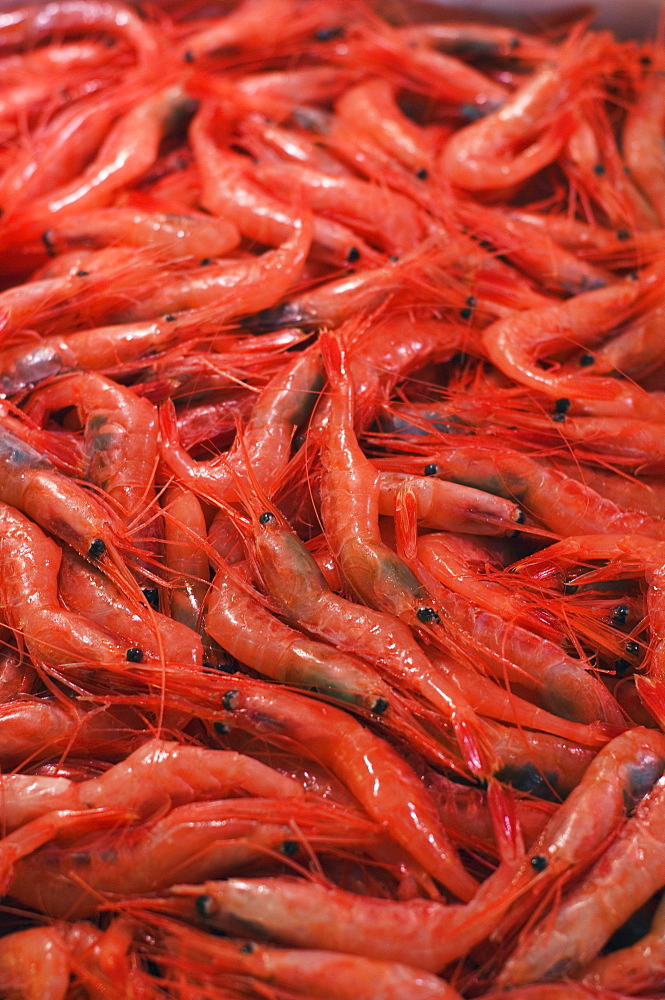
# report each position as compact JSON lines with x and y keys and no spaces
{"x":385,"y":218}
{"x":86,"y":592}
{"x":230,"y":190}
{"x":184,"y":536}
{"x":639,"y":968}
{"x":327,"y":975}
{"x":471,"y":39}
{"x":243,"y":627}
{"x":514,"y":343}
{"x":255,"y":283}
{"x":373,"y":104}
{"x":373,"y":772}
{"x":252,"y":23}
{"x":527,"y":132}
{"x":450,"y":506}
{"x":120,"y":431}
{"x":626,"y":875}
{"x":159,"y":774}
{"x":642,"y":142}
{"x":292,"y":578}
{"x":284,"y":404}
{"x":181,"y":235}
{"x":554,"y":268}
{"x":32,"y":485}
{"x":128,"y":150}
{"x":193,"y":842}
{"x":418,"y":66}
{"x":559,"y":501}
{"x":31,"y":22}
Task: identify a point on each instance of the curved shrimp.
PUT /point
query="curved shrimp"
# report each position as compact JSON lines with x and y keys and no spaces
{"x":253,"y":22}
{"x":184,"y":532}
{"x":374,"y":773}
{"x":513,"y":344}
{"x":628,"y":873}
{"x":525,"y":134}
{"x":33,"y":21}
{"x":120,"y":433}
{"x":284,"y":404}
{"x":193,"y":841}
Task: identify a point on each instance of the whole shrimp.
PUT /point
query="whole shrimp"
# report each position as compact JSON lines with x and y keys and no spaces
{"x":195,"y":841}
{"x":642,"y":141}
{"x":160,"y":773}
{"x":373,"y":772}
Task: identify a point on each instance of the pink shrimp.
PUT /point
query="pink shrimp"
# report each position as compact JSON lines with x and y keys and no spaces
{"x":184,"y":532}
{"x":253,"y":22}
{"x":373,"y":772}
{"x":158,"y":774}
{"x":449,"y":506}
{"x":33,"y":21}
{"x":528,"y":132}
{"x":513,"y":345}
{"x":243,"y":627}
{"x":471,"y":39}
{"x":263,"y":280}
{"x":285,"y":403}
{"x":120,"y":434}
{"x":193,"y":841}
{"x":191,"y":235}
{"x":625,"y":876}
{"x":86,"y":592}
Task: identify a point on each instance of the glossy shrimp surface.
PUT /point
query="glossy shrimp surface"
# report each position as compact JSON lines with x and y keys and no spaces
{"x":332,"y":504}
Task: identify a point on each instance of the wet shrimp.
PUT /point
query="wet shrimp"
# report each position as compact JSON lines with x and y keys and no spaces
{"x":638,"y":968}
{"x":185,"y":556}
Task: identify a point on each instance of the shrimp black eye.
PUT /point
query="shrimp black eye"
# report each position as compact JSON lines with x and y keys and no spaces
{"x":247,"y":949}
{"x":466,"y":313}
{"x":353,"y":255}
{"x":620,"y":614}
{"x":228,"y":699}
{"x":134,"y":654}
{"x":329,"y":34}
{"x":422,"y":174}
{"x":632,"y":648}
{"x":380,"y":706}
{"x":266,"y":518}
{"x":599,"y":170}
{"x":205,"y":907}
{"x":170,"y":318}
{"x":82,"y":274}
{"x":427,"y":615}
{"x":290,"y":847}
{"x":206,"y":262}
{"x":97,"y":549}
{"x":188,"y":56}
{"x":539,"y":862}
{"x":623,"y":234}
{"x":562,"y":406}
{"x":471,"y":301}
{"x":431,"y":469}
{"x":220,"y":728}
{"x":47,"y":240}
{"x":586,"y":360}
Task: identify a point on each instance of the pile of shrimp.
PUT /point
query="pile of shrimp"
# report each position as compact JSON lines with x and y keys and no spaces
{"x":332,"y":497}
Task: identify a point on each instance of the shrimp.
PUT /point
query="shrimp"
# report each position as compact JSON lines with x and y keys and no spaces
{"x":628,"y":873}
{"x":263,"y":280}
{"x":88,"y":593}
{"x":120,"y":431}
{"x":321,"y":974}
{"x":194,"y":841}
{"x":642,"y":142}
{"x":639,"y":968}
{"x":31,"y":22}
{"x":292,"y":578}
{"x":252,"y":23}
{"x":525,"y":134}
{"x":239,"y":623}
{"x":284,"y":404}
{"x":160,"y":773}
{"x":181,"y":235}
{"x":449,"y":506}
{"x":184,"y":532}
{"x":374,"y":773}
{"x":467,"y":38}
